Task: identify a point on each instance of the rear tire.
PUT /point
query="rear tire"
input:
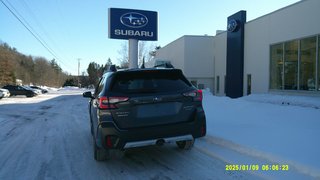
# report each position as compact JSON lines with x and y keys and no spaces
{"x":100,"y":154}
{"x":186,"y":145}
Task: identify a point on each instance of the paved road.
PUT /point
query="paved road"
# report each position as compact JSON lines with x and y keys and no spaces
{"x":51,"y":140}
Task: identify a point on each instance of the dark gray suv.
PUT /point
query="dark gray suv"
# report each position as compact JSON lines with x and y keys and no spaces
{"x":19,"y":90}
{"x":141,"y":107}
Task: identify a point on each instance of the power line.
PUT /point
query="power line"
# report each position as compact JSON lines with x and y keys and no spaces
{"x":31,"y":28}
{"x":29,"y":10}
{"x":38,"y":38}
{"x":24,"y":4}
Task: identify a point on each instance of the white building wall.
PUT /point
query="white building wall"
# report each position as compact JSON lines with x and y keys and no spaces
{"x":204,"y":59}
{"x":193,"y":55}
{"x":199,"y":56}
{"x":256,"y":56}
{"x":292,"y":22}
{"x":199,"y":60}
{"x":220,"y":61}
{"x":173,"y":52}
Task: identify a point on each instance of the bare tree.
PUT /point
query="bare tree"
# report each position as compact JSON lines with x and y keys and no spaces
{"x":124,"y":55}
{"x":144,"y":50}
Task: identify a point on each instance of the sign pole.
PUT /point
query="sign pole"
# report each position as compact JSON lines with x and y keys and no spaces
{"x":133,"y":53}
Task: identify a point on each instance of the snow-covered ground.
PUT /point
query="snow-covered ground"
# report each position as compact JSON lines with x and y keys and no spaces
{"x":48,"y":137}
{"x":278,"y":129}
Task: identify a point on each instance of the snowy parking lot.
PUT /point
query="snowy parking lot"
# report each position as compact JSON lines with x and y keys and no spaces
{"x":48,"y":137}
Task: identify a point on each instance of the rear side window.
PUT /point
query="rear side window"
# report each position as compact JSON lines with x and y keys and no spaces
{"x":153,"y":81}
{"x":101,"y":83}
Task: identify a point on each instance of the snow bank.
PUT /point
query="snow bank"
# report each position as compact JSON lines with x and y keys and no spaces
{"x":302,"y":101}
{"x":280,"y":128}
{"x":53,"y":92}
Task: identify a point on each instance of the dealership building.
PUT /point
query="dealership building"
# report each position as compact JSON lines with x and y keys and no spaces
{"x":277,"y":52}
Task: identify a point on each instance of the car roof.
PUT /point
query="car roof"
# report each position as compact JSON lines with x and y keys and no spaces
{"x":113,"y":70}
{"x":148,"y":69}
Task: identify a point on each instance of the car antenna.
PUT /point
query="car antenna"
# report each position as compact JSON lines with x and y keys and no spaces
{"x":142,"y":66}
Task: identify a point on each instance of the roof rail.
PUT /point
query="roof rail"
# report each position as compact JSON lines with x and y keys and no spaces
{"x":164,"y":65}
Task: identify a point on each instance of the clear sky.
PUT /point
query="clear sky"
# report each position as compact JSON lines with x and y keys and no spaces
{"x":75,"y":29}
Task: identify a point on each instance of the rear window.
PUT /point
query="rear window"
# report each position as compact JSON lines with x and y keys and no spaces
{"x":153,"y":81}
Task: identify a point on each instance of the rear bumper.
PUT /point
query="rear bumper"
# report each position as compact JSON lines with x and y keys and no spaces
{"x":157,"y":141}
{"x":110,"y":136}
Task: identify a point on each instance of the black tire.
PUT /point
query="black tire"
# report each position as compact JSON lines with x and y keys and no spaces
{"x":186,"y":145}
{"x":29,"y":95}
{"x":100,"y":154}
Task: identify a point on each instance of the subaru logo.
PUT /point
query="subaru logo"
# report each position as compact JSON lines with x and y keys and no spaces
{"x":134,"y":20}
{"x":232,"y":25}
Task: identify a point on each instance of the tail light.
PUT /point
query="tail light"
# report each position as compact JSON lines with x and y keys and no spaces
{"x":203,"y":130}
{"x":111,"y":141}
{"x":109,"y":102}
{"x":196,"y":94}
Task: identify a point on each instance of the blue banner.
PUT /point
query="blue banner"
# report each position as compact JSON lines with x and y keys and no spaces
{"x":133,"y":24}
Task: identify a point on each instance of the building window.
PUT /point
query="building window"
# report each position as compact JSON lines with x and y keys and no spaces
{"x":295,"y":65}
{"x":224,"y":87}
{"x":308,"y":64}
{"x":318,"y":52}
{"x":218,"y":84}
{"x":291,"y":65}
{"x":214,"y":87}
{"x":248,"y":84}
{"x":276,"y":67}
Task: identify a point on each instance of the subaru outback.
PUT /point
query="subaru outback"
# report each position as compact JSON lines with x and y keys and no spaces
{"x":142,"y":107}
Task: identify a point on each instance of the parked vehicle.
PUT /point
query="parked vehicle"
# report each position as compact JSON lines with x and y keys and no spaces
{"x":43,"y":91}
{"x":37,"y":91}
{"x":5,"y":92}
{"x":141,"y":107}
{"x":1,"y":95}
{"x":19,"y":90}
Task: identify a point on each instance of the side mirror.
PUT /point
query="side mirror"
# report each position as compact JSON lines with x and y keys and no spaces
{"x":87,"y":94}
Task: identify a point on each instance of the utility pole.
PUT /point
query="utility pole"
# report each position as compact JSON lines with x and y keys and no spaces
{"x":78,"y":71}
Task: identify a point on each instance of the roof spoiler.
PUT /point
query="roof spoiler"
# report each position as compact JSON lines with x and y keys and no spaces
{"x":112,"y":68}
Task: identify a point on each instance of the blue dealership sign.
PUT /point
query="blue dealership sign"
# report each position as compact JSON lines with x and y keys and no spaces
{"x":133,"y":24}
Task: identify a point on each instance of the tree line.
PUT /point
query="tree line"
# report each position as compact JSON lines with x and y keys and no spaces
{"x":95,"y":72}
{"x":40,"y":71}
{"x":29,"y":69}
